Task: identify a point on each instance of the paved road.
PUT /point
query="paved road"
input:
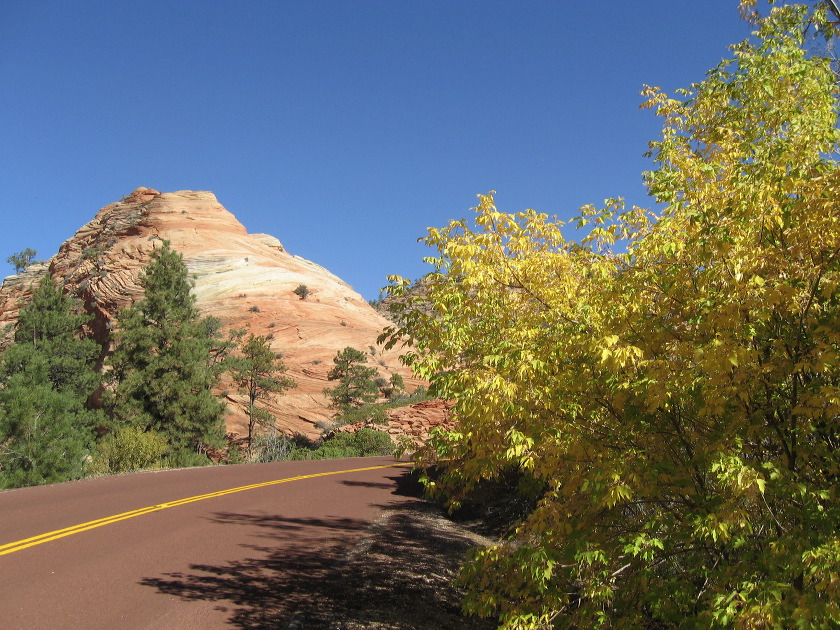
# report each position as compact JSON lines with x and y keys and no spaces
{"x":241,"y":559}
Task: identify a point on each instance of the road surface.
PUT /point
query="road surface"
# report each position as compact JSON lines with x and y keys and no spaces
{"x":174,"y":549}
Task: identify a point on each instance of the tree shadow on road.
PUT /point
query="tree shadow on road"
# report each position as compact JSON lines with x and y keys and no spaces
{"x":397,"y":576}
{"x":367,"y":484}
{"x":283,"y":576}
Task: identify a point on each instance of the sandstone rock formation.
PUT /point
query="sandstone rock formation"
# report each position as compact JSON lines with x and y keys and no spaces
{"x":414,"y":421}
{"x":246,"y":280}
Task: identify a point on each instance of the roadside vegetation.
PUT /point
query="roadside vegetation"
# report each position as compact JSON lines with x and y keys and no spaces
{"x":377,"y":413}
{"x":258,"y":372}
{"x":357,"y":385}
{"x":62,"y":418}
{"x":47,"y":376}
{"x":274,"y":447}
{"x":661,"y":397}
{"x":161,"y":372}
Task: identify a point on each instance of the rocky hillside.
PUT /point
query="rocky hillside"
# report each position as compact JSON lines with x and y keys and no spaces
{"x":414,"y":421}
{"x":245,"y":280}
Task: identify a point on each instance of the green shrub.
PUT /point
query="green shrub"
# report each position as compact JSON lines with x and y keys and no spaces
{"x":371,"y":442}
{"x":333,"y":451}
{"x":234,"y":454}
{"x":128,"y":449}
{"x":397,"y":382}
{"x":186,"y":459}
{"x":299,"y":454}
{"x":363,"y":443}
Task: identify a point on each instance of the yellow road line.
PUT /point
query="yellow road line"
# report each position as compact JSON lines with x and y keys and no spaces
{"x":83,"y":527}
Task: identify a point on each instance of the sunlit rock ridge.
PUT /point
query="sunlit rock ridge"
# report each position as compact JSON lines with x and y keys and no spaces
{"x":245,"y":280}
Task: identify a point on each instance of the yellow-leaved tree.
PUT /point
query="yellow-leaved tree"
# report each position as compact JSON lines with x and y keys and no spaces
{"x":673,"y":402}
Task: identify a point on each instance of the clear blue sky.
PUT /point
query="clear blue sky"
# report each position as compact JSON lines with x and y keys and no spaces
{"x":343,"y":128}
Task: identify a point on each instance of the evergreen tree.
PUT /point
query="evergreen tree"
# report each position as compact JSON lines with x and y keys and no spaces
{"x":48,"y":373}
{"x":21,"y":260}
{"x":163,"y":370}
{"x":258,"y":372}
{"x":356,"y":384}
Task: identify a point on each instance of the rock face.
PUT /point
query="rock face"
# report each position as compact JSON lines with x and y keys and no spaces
{"x":245,"y":280}
{"x":414,"y":421}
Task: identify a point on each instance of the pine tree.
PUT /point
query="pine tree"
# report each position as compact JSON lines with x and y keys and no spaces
{"x":258,"y":372}
{"x":48,"y":374}
{"x":21,"y":260}
{"x":356,"y":384}
{"x":163,"y":370}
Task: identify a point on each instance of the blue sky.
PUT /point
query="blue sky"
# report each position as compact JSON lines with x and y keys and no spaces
{"x":343,"y":128}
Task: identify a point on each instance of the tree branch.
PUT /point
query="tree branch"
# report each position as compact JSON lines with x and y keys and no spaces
{"x":832,"y":4}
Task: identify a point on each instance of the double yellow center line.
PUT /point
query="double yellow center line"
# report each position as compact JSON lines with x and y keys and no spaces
{"x":83,"y":527}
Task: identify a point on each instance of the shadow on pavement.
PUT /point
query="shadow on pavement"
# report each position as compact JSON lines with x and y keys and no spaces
{"x":284,"y":576}
{"x":368,"y":484}
{"x":397,"y":577}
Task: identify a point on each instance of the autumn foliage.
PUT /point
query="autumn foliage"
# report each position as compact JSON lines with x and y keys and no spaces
{"x":669,"y":386}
